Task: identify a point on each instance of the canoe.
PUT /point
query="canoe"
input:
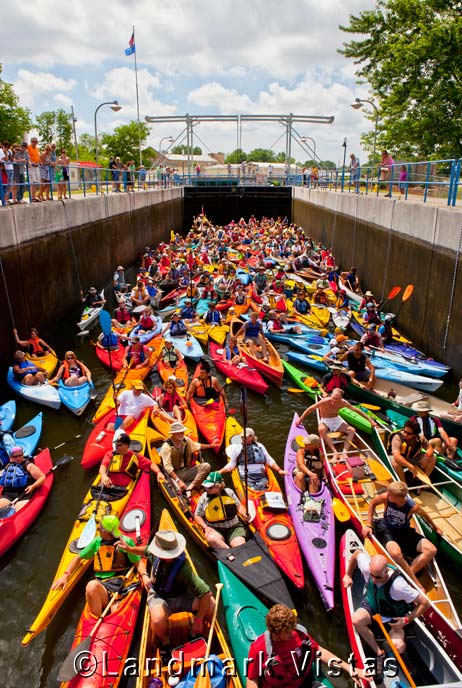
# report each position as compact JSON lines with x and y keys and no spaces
{"x":210,"y":419}
{"x":7,"y":415}
{"x":179,"y":634}
{"x":99,"y":441}
{"x":272,"y":520}
{"x":146,"y":337}
{"x":317,"y":536}
{"x":187,"y":345}
{"x":55,"y":598}
{"x":421,"y":647}
{"x":272,"y":370}
{"x":443,"y":503}
{"x":162,"y":426}
{"x":27,"y":436}
{"x":180,"y":373}
{"x":46,"y":394}
{"x":321,"y":314}
{"x":242,"y":373}
{"x":49,"y":361}
{"x":13,"y":527}
{"x":420,"y":382}
{"x":113,"y":360}
{"x":110,"y":646}
{"x":77,"y":398}
{"x":89,"y":316}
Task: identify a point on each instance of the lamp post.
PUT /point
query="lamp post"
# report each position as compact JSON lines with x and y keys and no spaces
{"x":344,"y":146}
{"x":304,"y":139}
{"x":166,"y":138}
{"x":114,"y":106}
{"x":357,"y":105}
{"x":74,"y":120}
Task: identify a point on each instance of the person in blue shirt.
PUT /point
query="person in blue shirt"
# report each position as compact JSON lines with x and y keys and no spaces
{"x":212,"y":316}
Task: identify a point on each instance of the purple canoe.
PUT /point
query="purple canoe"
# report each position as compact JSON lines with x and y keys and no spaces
{"x":316,"y":537}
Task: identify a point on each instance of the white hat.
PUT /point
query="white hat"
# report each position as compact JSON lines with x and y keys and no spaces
{"x":421,"y":406}
{"x":167,"y":544}
{"x":176,"y":427}
{"x":249,"y":432}
{"x":312,"y":439}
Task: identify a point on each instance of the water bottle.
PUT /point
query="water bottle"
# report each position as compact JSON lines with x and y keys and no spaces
{"x":99,"y":437}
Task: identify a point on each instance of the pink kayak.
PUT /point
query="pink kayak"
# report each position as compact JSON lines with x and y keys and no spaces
{"x":242,"y":373}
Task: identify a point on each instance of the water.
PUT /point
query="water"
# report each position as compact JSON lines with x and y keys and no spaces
{"x":28,"y":568}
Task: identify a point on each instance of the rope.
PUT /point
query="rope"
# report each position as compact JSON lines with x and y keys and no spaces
{"x":6,"y":293}
{"x":453,"y":288}
{"x":390,"y":233}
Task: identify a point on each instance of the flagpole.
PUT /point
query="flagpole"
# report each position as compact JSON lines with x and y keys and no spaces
{"x":137,"y":101}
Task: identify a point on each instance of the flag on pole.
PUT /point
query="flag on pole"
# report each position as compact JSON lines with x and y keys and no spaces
{"x":131,"y":45}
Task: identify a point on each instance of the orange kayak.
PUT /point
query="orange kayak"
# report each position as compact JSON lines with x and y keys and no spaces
{"x":180,"y":373}
{"x":210,"y":419}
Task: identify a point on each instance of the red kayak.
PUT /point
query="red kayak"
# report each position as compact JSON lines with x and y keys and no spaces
{"x":242,"y":373}
{"x":110,"y":646}
{"x":13,"y":527}
{"x":210,"y":419}
{"x":100,"y":439}
{"x":115,"y":361}
{"x":224,"y":304}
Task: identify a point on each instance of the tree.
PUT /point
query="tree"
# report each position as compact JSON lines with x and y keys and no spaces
{"x":124,"y":141}
{"x":236,"y":157}
{"x":15,"y":121}
{"x":183,"y":150}
{"x":55,"y":125}
{"x":410,"y":56}
{"x":262,"y":155}
{"x":87,"y":148}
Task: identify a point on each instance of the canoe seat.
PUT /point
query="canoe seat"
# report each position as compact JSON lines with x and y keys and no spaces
{"x":337,"y":435}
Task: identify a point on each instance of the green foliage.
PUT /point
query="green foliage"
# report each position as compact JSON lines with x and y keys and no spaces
{"x":183,"y":150}
{"x":15,"y":121}
{"x":87,"y":148}
{"x":124,"y":141}
{"x":237,"y":156}
{"x":55,"y":126}
{"x":148,"y":155}
{"x":261,"y":155}
{"x":409,"y":53}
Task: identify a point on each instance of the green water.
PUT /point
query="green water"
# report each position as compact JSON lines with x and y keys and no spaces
{"x":28,"y":568}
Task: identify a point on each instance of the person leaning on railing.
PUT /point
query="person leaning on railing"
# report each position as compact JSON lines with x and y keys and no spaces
{"x":22,"y":160}
{"x":34,"y":171}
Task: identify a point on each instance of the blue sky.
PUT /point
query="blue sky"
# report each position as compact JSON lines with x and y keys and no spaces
{"x":227,"y":57}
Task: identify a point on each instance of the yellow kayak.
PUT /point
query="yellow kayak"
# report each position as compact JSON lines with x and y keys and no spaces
{"x":49,"y":361}
{"x":200,"y":332}
{"x":55,"y":598}
{"x":217,"y":333}
{"x":162,"y":426}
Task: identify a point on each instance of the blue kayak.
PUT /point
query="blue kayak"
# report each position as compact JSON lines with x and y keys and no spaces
{"x":26,"y":437}
{"x":42,"y":394}
{"x":146,"y":337}
{"x":186,"y":345}
{"x":243,"y":276}
{"x":77,"y":398}
{"x":7,"y":415}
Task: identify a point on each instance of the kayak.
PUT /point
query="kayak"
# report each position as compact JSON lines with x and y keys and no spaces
{"x":313,"y":520}
{"x":272,"y":369}
{"x":421,"y":643}
{"x":340,"y":317}
{"x":217,"y":333}
{"x":100,"y":439}
{"x":55,"y":598}
{"x":146,"y":337}
{"x":241,"y":373}
{"x":13,"y":527}
{"x":46,"y":394}
{"x":162,"y":426}
{"x":113,"y":360}
{"x":49,"y":361}
{"x":180,"y":373}
{"x":210,"y":419}
{"x":76,"y":398}
{"x":7,"y":415}
{"x":89,"y":316}
{"x":27,"y":436}
{"x":187,"y":345}
{"x":272,"y":520}
{"x":200,"y":332}
{"x":110,"y":645}
{"x":179,"y":625}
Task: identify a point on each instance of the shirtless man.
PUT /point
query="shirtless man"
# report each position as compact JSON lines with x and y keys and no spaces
{"x":330,"y":421}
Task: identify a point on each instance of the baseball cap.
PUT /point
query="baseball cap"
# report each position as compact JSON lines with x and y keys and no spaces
{"x":213,"y":478}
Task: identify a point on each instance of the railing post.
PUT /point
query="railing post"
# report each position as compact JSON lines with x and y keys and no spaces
{"x":427,"y":179}
{"x":408,"y":177}
{"x":52,"y":174}
{"x":456,"y":181}
{"x":451,"y":181}
{"x":84,"y":183}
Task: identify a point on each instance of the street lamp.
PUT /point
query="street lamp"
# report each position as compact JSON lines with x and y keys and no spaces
{"x":166,"y":138}
{"x":304,"y":139}
{"x":344,"y":146}
{"x":357,"y":105}
{"x":114,"y":106}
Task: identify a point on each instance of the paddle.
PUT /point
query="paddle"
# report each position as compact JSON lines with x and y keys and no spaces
{"x":406,"y":295}
{"x":71,"y":666}
{"x":71,"y":439}
{"x":394,"y":291}
{"x":203,"y":680}
{"x":243,"y":398}
{"x":340,"y":510}
{"x":60,"y":462}
{"x":392,"y":646}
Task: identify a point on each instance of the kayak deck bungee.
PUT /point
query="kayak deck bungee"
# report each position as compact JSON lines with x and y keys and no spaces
{"x":315,"y":531}
{"x":13,"y":527}
{"x":271,"y":521}
{"x":55,"y":598}
{"x":110,"y":646}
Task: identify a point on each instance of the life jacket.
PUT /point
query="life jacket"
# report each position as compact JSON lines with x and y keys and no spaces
{"x":301,"y":306}
{"x":381,"y":602}
{"x":108,"y":559}
{"x":136,"y":356}
{"x":166,"y":572}
{"x":277,"y":325}
{"x":213,"y":317}
{"x":229,"y":353}
{"x":75,"y":369}
{"x":169,"y":400}
{"x":146,"y":322}
{"x":24,"y":364}
{"x":407,"y":450}
{"x":122,"y":316}
{"x":126,"y":463}
{"x":337,"y":381}
{"x":35,"y":347}
{"x":372,"y":339}
{"x":313,"y":461}
{"x":255,"y":459}
{"x":398,"y":516}
{"x":432,"y":427}
{"x":187,"y":456}
{"x":220,"y":509}
{"x":15,"y":476}
{"x":252,"y":331}
{"x":140,"y":294}
{"x":386,"y":331}
{"x":169,"y":356}
{"x":177,"y":328}
{"x":108,"y":340}
{"x":292,"y":668}
{"x":209,"y":391}
{"x":240,"y":298}
{"x":188,"y":312}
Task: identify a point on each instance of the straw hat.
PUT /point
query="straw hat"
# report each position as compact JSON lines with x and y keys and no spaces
{"x":422,"y":406}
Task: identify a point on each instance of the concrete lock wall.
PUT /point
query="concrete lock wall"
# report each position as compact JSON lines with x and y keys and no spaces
{"x":396,"y":242}
{"x":38,"y":242}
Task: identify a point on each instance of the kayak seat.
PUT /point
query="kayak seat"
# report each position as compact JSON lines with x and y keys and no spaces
{"x":26,"y":431}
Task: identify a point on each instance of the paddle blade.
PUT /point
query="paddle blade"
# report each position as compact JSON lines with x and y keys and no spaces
{"x":393,"y":292}
{"x":340,"y":511}
{"x":408,"y":292}
{"x":70,"y":666}
{"x":88,"y":533}
{"x":295,"y":390}
{"x":105,"y":322}
{"x":63,"y":460}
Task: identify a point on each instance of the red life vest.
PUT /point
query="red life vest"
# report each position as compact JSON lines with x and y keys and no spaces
{"x":122,"y":316}
{"x":146,"y":322}
{"x":35,"y":346}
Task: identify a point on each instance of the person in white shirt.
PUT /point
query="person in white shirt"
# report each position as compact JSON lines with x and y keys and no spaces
{"x":133,"y":402}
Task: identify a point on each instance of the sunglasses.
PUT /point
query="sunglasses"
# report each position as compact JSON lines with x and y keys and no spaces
{"x":16,"y":456}
{"x":407,"y":432}
{"x":70,"y":357}
{"x":383,"y":575}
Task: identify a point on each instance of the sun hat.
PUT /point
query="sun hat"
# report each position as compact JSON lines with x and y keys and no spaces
{"x":421,"y":406}
{"x":110,"y":524}
{"x":336,"y":366}
{"x":213,"y":478}
{"x":369,"y":304}
{"x":341,"y":338}
{"x":369,"y":293}
{"x":167,"y":544}
{"x":311,"y":439}
{"x":120,"y":267}
{"x":176,"y":427}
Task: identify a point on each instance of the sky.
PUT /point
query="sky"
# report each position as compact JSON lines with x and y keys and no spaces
{"x":196,"y":57}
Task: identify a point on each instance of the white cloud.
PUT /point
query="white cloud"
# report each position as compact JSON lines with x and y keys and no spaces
{"x":63,"y":100}
{"x":30,"y":86}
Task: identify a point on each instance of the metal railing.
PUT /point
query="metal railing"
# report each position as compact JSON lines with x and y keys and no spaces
{"x":23,"y":182}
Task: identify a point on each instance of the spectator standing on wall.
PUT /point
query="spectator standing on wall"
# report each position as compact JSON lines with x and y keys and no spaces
{"x":198,"y":170}
{"x":62,"y":174}
{"x":7,"y":160}
{"x":34,"y":170}
{"x":46,"y":165}
{"x":22,"y":159}
{"x":113,"y":168}
{"x":355,"y":171}
{"x":386,"y":168}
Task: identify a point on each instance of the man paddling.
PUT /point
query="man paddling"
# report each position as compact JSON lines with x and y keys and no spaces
{"x":258,"y":459}
{"x":181,"y":459}
{"x":205,"y":386}
{"x":133,"y":402}
{"x":20,"y":478}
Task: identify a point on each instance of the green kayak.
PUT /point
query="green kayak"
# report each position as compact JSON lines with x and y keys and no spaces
{"x":245,"y":619}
